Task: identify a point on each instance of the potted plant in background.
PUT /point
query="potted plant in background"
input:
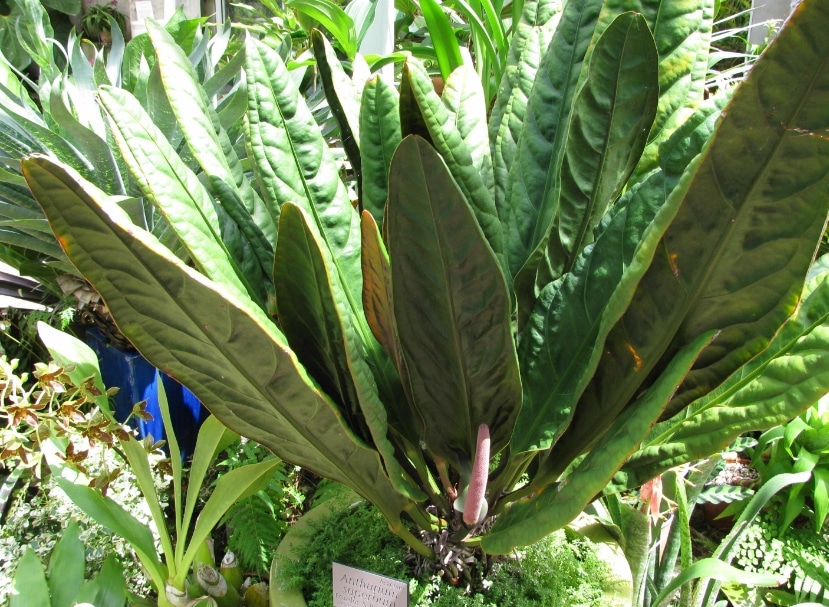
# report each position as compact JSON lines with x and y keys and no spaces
{"x":99,"y":19}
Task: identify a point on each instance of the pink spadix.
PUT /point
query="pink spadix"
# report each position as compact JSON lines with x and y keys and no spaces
{"x":473,"y":512}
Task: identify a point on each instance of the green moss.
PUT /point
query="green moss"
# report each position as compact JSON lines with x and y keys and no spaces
{"x":555,"y":572}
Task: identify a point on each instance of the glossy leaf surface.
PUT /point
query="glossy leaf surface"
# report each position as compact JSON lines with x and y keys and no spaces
{"x":292,"y":160}
{"x":171,"y":186}
{"x":380,"y":129}
{"x":554,"y":507}
{"x":776,"y":386}
{"x":531,"y":197}
{"x":734,"y":259}
{"x":563,"y":340}
{"x":451,"y":306}
{"x":204,"y":337}
{"x":456,"y":152}
{"x":608,"y":129}
{"x":530,"y":39}
{"x":322,"y":330}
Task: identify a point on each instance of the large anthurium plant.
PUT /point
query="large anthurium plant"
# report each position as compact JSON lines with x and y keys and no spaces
{"x":481,"y":340}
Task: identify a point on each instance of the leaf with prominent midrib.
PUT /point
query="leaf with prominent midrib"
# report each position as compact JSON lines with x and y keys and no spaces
{"x":226,"y":350}
{"x":555,"y":506}
{"x":790,"y":375}
{"x":380,"y":128}
{"x":682,"y":32}
{"x":456,"y":152}
{"x":734,"y":259}
{"x":531,"y":188}
{"x":451,"y":305}
{"x":530,"y":39}
{"x":562,"y":342}
{"x":293,"y":163}
{"x":612,"y":115}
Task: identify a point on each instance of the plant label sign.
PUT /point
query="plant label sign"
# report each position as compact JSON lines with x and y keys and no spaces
{"x":358,"y":588}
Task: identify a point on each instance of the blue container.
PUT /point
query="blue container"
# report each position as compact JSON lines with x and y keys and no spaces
{"x":136,"y":380}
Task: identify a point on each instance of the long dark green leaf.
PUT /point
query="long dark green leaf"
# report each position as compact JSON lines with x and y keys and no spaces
{"x":343,"y":99}
{"x":451,"y":305}
{"x":322,"y":330}
{"x":292,"y":160}
{"x":380,"y":136}
{"x":449,"y":142}
{"x":531,"y":197}
{"x":564,"y":337}
{"x":227,"y":351}
{"x":612,"y":115}
{"x":530,"y":38}
{"x":753,"y":209}
{"x":528,"y":522}
{"x":682,"y":32}
{"x":463,"y":96}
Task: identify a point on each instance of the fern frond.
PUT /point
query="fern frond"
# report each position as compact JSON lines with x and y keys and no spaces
{"x":256,"y":532}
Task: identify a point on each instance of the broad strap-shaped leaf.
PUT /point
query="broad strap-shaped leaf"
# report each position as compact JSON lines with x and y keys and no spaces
{"x":207,"y":140}
{"x":29,"y":584}
{"x":292,"y":160}
{"x":171,"y":186}
{"x":451,"y":306}
{"x":790,"y":375}
{"x":530,"y":38}
{"x":457,"y":154}
{"x":555,"y":506}
{"x":309,"y":315}
{"x":223,"y":348}
{"x":322,"y":330}
{"x":343,"y":99}
{"x":67,"y":565}
{"x":754,"y":206}
{"x":380,"y":136}
{"x":682,"y":32}
{"x":561,"y":345}
{"x":691,"y":61}
{"x":463,"y":96}
{"x":612,"y":115}
{"x":531,"y":196}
